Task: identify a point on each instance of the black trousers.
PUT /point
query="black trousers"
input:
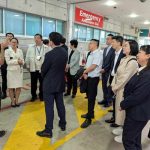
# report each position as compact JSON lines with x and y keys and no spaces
{"x":111,"y":96}
{"x":132,"y":131}
{"x":71,"y":84}
{"x":4,"y":80}
{"x":49,"y":110}
{"x":92,"y":93}
{"x":35,"y":76}
{"x":104,"y":85}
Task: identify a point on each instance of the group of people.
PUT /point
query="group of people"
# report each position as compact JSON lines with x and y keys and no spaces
{"x":125,"y":72}
{"x":125,"y":83}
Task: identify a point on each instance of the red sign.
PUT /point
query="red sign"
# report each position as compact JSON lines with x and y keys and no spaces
{"x":86,"y":17}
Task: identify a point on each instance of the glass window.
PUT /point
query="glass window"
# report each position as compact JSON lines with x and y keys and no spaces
{"x":48,"y":26}
{"x":102,"y":37}
{"x":60,"y":27}
{"x":75,"y":31}
{"x":1,"y":21}
{"x":89,"y":34}
{"x":14,"y":22}
{"x":33,"y":25}
{"x":96,"y":34}
{"x":82,"y":33}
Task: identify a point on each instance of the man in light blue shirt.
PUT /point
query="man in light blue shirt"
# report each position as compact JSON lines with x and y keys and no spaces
{"x":91,"y":74}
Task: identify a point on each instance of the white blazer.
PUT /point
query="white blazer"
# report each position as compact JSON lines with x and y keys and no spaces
{"x":12,"y":58}
{"x":31,"y":57}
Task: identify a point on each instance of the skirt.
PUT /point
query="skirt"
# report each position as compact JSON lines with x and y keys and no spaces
{"x":14,"y":78}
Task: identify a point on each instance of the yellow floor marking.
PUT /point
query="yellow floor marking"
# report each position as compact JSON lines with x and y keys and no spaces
{"x":23,"y":136}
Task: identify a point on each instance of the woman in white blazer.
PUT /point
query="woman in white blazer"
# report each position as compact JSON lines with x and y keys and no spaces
{"x":127,"y":68}
{"x":15,"y":61}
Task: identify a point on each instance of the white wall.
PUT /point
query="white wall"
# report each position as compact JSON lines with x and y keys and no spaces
{"x":49,"y":8}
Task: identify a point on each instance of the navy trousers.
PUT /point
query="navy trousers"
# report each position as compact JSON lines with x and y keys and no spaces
{"x":132,"y":131}
{"x":49,"y":110}
{"x":104,"y":85}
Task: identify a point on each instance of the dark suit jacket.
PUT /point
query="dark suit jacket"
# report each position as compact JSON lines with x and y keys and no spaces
{"x":137,"y":96}
{"x":53,"y":71}
{"x":121,"y":55}
{"x":107,"y":59}
{"x":65,"y":47}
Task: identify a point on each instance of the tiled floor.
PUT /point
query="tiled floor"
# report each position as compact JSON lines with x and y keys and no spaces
{"x":23,"y":122}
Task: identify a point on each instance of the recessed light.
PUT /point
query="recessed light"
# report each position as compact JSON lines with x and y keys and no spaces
{"x":50,"y":21}
{"x":146,"y":22}
{"x":133,"y":15}
{"x":110,"y":3}
{"x":16,"y":15}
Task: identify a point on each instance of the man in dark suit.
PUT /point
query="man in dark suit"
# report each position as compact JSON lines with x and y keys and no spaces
{"x":53,"y":73}
{"x":107,"y":60}
{"x":118,"y":55}
{"x":63,"y":41}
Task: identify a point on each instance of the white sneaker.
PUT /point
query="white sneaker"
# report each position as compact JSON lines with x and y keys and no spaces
{"x":117,"y":131}
{"x":118,"y":139}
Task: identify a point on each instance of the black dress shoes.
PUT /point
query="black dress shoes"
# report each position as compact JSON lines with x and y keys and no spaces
{"x":112,"y":120}
{"x":102,"y":102}
{"x":73,"y":96}
{"x":63,"y":128}
{"x":107,"y":105}
{"x":2,"y":133}
{"x":33,"y":99}
{"x":3,"y":96}
{"x":114,"y":125}
{"x":149,"y":134}
{"x":44,"y":133}
{"x":86,"y":123}
{"x":110,"y":110}
{"x":85,"y":116}
{"x":66,"y":94}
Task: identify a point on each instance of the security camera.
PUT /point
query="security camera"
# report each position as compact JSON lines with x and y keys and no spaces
{"x":142,"y":1}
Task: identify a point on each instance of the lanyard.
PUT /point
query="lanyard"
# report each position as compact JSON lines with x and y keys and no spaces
{"x":39,"y":50}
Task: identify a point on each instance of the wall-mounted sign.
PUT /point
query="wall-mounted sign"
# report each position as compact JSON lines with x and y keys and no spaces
{"x":88,"y":18}
{"x":144,"y":33}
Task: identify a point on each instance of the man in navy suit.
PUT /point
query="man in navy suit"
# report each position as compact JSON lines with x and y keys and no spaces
{"x":53,"y":73}
{"x":106,"y":66}
{"x":118,"y":55}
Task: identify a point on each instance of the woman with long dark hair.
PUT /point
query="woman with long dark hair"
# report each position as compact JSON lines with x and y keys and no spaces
{"x":136,"y":102}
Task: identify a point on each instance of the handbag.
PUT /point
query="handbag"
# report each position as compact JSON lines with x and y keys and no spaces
{"x":83,"y":85}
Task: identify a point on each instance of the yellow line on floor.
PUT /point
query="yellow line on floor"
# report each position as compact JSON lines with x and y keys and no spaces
{"x":23,"y":136}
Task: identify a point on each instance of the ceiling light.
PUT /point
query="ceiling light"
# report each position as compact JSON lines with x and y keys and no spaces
{"x":110,"y":3}
{"x":50,"y":21}
{"x":146,"y":22}
{"x":16,"y":15}
{"x":133,"y":15}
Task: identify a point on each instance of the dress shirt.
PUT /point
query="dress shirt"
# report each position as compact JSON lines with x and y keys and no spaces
{"x":115,"y":61}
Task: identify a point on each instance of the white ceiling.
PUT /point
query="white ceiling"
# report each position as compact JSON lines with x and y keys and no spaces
{"x":122,"y":12}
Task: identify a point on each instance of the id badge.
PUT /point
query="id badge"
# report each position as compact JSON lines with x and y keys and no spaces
{"x":38,"y":58}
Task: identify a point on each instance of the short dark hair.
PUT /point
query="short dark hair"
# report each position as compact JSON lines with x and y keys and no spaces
{"x":146,"y":49}
{"x":118,"y":39}
{"x":55,"y":37}
{"x":74,"y":43}
{"x":45,"y":41}
{"x":63,"y":40}
{"x":38,"y":35}
{"x":111,"y":35}
{"x":134,"y":47}
{"x":97,"y":41}
{"x":10,"y":33}
{"x":15,"y":39}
